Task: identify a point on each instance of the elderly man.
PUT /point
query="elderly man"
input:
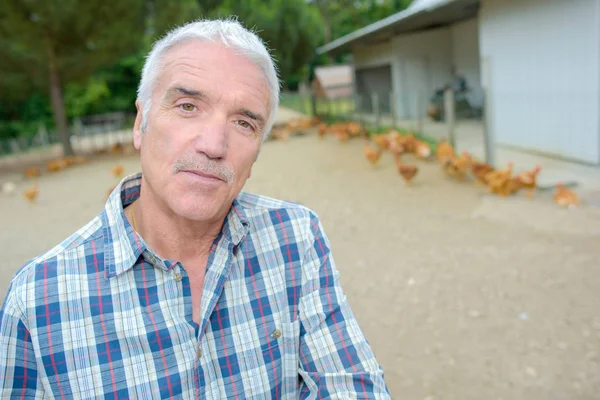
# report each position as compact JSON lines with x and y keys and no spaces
{"x":184,"y":286}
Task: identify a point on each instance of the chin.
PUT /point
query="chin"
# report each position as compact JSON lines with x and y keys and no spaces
{"x":198,"y":207}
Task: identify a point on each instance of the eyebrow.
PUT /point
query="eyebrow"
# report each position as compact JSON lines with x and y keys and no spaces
{"x":260,"y":120}
{"x":172,"y":92}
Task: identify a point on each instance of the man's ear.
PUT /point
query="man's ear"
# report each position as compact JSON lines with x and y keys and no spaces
{"x":137,"y":126}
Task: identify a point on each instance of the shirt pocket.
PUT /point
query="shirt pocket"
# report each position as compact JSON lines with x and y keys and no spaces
{"x":289,"y":345}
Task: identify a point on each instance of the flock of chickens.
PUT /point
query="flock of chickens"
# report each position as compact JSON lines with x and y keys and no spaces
{"x":55,"y":166}
{"x":501,"y":182}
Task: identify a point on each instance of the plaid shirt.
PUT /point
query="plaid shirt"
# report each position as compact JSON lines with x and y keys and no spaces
{"x":102,"y":316}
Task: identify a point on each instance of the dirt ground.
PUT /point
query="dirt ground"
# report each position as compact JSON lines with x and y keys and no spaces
{"x":461,"y":295}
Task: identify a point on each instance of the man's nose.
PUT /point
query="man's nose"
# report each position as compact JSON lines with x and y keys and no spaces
{"x":213,"y":137}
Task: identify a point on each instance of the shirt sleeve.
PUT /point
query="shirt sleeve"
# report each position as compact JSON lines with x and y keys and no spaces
{"x":336,"y":361}
{"x":18,"y":369}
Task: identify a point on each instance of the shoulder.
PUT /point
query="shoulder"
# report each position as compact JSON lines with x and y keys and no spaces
{"x":298,"y":222}
{"x":44,"y":272}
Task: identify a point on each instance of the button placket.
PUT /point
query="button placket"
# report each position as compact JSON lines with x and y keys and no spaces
{"x":177,"y":276}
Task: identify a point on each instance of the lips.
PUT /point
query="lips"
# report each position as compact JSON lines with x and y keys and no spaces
{"x":202,"y":174}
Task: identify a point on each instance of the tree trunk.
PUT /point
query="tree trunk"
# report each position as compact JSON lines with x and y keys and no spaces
{"x":58,"y":106}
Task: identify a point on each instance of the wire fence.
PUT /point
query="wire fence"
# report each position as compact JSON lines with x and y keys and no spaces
{"x":445,"y":114}
{"x":87,"y":134}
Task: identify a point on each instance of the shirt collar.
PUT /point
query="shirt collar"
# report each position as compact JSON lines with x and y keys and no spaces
{"x":123,"y":246}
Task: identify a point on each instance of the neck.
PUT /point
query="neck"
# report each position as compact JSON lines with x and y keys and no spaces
{"x":169,"y":235}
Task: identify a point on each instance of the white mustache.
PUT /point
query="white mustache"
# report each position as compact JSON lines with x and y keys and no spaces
{"x":206,"y":166}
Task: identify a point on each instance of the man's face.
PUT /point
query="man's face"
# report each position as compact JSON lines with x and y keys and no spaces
{"x":209,"y":108}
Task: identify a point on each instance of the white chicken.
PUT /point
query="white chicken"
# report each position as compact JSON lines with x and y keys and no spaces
{"x":9,"y":188}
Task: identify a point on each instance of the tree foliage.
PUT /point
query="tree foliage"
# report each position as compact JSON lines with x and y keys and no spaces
{"x":97,"y":47}
{"x":54,"y":42}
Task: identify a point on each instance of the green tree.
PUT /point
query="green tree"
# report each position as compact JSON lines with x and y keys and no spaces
{"x":341,"y":17}
{"x":48,"y":44}
{"x":292,"y":29}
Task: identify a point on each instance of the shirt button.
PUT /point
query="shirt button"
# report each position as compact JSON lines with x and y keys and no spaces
{"x":178,"y":277}
{"x":277,"y":334}
{"x":199,"y":353}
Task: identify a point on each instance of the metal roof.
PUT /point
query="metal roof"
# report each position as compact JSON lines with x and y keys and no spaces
{"x":420,"y":15}
{"x":335,"y":80}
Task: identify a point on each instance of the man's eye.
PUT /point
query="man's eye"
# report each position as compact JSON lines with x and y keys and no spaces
{"x":187,"y":107}
{"x":244,"y":124}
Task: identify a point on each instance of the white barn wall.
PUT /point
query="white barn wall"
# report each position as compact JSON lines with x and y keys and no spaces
{"x":377,"y":55}
{"x":465,"y":55}
{"x":544,"y":57}
{"x":424,"y":63}
{"x":372,"y":55}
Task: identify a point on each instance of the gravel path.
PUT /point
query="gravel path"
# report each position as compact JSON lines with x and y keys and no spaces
{"x":461,"y":295}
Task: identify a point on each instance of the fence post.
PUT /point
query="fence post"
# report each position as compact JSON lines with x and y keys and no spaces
{"x":332,"y":107}
{"x":357,"y":106}
{"x":419,"y":113}
{"x":14,"y":146}
{"x":488,"y":139}
{"x":449,"y":113}
{"x":488,"y":117}
{"x":375,"y":102}
{"x":393,"y":108}
{"x":43,"y":135}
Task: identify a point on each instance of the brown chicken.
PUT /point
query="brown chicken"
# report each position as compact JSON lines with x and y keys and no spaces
{"x":32,"y":172}
{"x":74,"y":160}
{"x":480,"y":171}
{"x":31,"y":194}
{"x":565,"y":197}
{"x":407,"y":171}
{"x":396,"y":143}
{"x":116,"y":148}
{"x":336,"y":129}
{"x":354,"y":129}
{"x":56,"y":165}
{"x":498,"y":181}
{"x":512,"y":186}
{"x":280,"y":133}
{"x":528,"y":180}
{"x":305,"y":123}
{"x":457,"y":167}
{"x":409,"y":142}
{"x":444,"y":151}
{"x":322,"y":131}
{"x":381,"y":141}
{"x":342,"y":135}
{"x":299,"y":124}
{"x":117,"y":170}
{"x":372,"y":155}
{"x":340,"y":132}
{"x":285,"y":134}
{"x":422,"y":149}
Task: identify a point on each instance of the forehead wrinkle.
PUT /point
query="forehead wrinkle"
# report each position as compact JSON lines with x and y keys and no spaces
{"x":256,"y":93}
{"x":188,"y":65}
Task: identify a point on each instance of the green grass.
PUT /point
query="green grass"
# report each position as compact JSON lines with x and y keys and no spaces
{"x":303,"y":104}
{"x":296,"y":102}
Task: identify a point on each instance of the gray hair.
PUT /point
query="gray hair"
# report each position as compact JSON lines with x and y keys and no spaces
{"x":231,"y":34}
